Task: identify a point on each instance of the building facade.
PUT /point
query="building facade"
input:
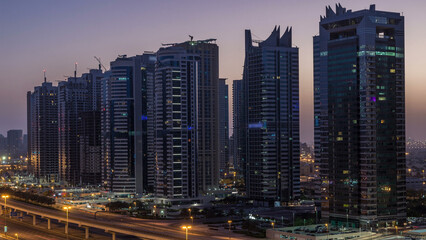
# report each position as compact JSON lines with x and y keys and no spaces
{"x":239,"y":132}
{"x":271,"y":101}
{"x":175,"y":127}
{"x":15,"y":143}
{"x":43,"y":144}
{"x":90,"y":148}
{"x":124,"y":124}
{"x":360,"y":117}
{"x":72,"y":102}
{"x":223,"y":126}
{"x":208,"y":162}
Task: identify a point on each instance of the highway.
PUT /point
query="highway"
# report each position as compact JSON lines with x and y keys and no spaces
{"x":112,"y":223}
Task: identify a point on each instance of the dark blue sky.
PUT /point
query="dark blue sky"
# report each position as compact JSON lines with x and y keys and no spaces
{"x":55,"y":34}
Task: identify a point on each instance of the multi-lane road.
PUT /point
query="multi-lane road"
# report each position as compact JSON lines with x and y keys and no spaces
{"x":126,"y":226}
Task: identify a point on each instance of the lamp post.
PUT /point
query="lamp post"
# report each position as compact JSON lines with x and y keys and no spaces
{"x":192,"y":220}
{"x":273,"y":225}
{"x":347,"y":218}
{"x":186,"y":228}
{"x":17,"y":237}
{"x":66,"y":226}
{"x":326,"y":225}
{"x":229,"y":228}
{"x":5,"y":212}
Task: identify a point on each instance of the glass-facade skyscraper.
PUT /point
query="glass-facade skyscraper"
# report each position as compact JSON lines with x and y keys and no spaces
{"x":43,"y":118}
{"x":360,"y":117}
{"x":124,"y":124}
{"x":208,"y":160}
{"x":223,"y":127}
{"x":174,"y":127}
{"x":271,"y":102}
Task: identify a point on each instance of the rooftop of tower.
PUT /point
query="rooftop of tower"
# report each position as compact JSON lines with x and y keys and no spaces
{"x":341,"y":12}
{"x":274,"y":40}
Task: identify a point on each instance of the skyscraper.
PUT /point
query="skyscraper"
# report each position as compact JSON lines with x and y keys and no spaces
{"x":271,"y":100}
{"x":223,"y":126}
{"x":175,"y":126}
{"x":72,"y":102}
{"x":360,"y":117}
{"x":123,"y":124}
{"x":14,"y":143}
{"x":208,"y":163}
{"x":90,"y":130}
{"x":3,"y":146}
{"x":90,"y":148}
{"x":239,"y":129}
{"x":43,"y":109}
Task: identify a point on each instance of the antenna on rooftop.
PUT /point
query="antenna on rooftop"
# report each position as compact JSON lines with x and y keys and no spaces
{"x":191,"y":37}
{"x":44,"y":72}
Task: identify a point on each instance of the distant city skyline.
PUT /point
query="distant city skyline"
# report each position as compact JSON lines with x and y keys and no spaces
{"x":54,"y":35}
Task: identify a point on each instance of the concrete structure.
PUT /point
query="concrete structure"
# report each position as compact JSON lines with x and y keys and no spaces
{"x":3,"y":145}
{"x":317,"y":232}
{"x":239,"y":129}
{"x":223,"y":126}
{"x":90,"y":148}
{"x":271,"y":101}
{"x":72,"y":101}
{"x":175,"y":126}
{"x":208,"y":163}
{"x":14,"y":143}
{"x":360,"y":117}
{"x":124,"y":127}
{"x":43,"y":132}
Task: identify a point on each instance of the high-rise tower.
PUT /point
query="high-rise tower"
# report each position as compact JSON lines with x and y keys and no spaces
{"x":208,"y":163}
{"x":124,"y":124}
{"x":43,"y":110}
{"x":174,"y":128}
{"x":360,"y":117}
{"x":72,"y":102}
{"x":271,"y":102}
{"x":239,"y":131}
{"x":223,"y":126}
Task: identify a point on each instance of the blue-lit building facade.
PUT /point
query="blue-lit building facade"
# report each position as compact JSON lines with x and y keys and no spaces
{"x":360,"y":117}
{"x":124,"y":123}
{"x":271,"y":102}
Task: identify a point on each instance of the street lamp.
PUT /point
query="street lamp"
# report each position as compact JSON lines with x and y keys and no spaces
{"x":192,"y":220}
{"x":273,"y":225}
{"x":229,"y":228}
{"x":347,"y":218}
{"x":189,"y":210}
{"x":186,"y":228}
{"x":326,"y":225}
{"x":66,"y":226}
{"x":17,"y":238}
{"x":5,"y":211}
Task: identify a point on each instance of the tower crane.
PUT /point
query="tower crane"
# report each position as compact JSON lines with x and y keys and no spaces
{"x":100,"y":63}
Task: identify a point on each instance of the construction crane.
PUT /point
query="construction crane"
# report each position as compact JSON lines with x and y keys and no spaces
{"x":100,"y":63}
